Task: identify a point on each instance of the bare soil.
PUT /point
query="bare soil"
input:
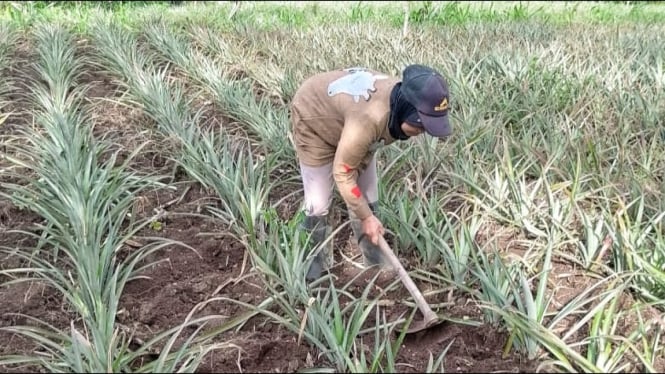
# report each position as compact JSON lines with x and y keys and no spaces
{"x":183,"y":279}
{"x":219,"y":267}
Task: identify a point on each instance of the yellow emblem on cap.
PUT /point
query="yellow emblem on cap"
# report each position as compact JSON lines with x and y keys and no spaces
{"x":443,"y":106}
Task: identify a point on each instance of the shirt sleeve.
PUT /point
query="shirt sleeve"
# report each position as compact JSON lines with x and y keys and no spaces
{"x":352,"y":149}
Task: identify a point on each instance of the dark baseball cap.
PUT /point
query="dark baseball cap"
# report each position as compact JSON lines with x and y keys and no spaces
{"x":427,"y":90}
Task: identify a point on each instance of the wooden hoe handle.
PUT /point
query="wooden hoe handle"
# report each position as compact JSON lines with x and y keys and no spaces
{"x":429,"y":316}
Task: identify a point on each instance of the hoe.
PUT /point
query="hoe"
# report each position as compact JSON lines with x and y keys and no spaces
{"x":430,"y":318}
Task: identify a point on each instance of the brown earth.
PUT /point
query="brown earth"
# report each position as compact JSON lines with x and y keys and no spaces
{"x":220,"y":268}
{"x":184,"y":279}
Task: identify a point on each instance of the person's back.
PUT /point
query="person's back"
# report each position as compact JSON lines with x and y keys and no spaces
{"x":327,"y":102}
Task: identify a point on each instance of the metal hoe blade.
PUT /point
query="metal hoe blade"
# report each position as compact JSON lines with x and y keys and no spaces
{"x":429,"y":317}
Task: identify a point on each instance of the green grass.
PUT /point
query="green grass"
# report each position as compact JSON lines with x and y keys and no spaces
{"x":557,"y":151}
{"x":303,"y":15}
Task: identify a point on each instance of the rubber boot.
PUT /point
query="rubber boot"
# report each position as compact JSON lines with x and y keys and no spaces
{"x":371,"y":253}
{"x":320,"y":229}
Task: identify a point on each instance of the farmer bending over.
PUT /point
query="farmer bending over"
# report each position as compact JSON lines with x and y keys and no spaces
{"x":339,"y":120}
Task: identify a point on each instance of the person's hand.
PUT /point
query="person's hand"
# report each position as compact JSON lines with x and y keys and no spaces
{"x":373,"y":228}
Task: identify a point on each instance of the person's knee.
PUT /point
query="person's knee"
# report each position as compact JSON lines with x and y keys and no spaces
{"x":316,"y":210}
{"x":318,"y":205}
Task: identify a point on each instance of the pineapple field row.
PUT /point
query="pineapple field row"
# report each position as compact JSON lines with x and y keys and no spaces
{"x":151,"y":199}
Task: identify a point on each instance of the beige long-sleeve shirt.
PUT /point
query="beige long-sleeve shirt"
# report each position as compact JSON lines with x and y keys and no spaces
{"x":342,"y":117}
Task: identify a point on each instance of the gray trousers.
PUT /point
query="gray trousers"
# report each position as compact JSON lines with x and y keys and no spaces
{"x":318,"y":184}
